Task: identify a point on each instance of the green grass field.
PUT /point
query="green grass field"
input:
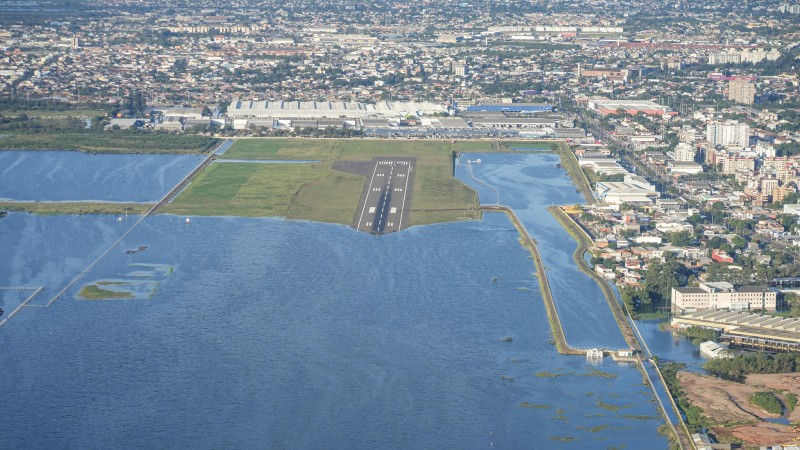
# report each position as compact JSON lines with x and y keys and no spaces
{"x":67,"y":113}
{"x":318,"y":192}
{"x":51,"y":208}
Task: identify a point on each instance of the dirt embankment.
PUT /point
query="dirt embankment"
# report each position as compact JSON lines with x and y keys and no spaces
{"x":728,"y":404}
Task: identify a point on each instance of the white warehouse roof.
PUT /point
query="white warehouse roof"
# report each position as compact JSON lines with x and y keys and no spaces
{"x":283,"y":109}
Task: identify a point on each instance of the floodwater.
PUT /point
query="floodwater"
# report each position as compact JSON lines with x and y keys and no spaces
{"x":529,"y":183}
{"x":251,"y":333}
{"x":670,"y":347}
{"x":55,"y":176}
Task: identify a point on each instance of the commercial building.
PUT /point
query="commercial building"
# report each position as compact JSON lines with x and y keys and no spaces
{"x":741,"y":90}
{"x":722,"y":296}
{"x":728,"y":133}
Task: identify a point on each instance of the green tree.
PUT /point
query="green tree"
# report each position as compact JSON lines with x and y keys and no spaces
{"x":680,"y":238}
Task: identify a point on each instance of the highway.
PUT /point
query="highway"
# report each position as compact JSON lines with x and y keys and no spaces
{"x":386,"y":197}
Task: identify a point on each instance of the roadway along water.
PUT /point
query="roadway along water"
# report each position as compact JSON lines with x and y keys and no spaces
{"x":271,"y":333}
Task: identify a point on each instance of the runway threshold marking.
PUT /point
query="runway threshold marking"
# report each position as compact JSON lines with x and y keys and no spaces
{"x":365,"y":200}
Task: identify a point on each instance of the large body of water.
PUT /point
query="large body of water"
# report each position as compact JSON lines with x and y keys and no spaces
{"x":76,"y":176}
{"x":265,"y":333}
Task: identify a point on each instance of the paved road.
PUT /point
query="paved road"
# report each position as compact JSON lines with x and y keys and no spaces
{"x":386,"y":197}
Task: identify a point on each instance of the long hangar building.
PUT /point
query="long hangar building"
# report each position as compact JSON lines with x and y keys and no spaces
{"x":242,"y":109}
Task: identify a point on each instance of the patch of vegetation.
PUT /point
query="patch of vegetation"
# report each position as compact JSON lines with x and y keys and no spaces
{"x":562,"y":438}
{"x":767,"y":401}
{"x":94,"y":292}
{"x":121,"y":141}
{"x":598,"y":373}
{"x":610,"y":407}
{"x":790,"y":400}
{"x":77,"y":208}
{"x":533,"y":405}
{"x":739,"y":366}
{"x":640,"y":417}
{"x":695,"y":417}
{"x":704,"y":334}
{"x":546,"y":374}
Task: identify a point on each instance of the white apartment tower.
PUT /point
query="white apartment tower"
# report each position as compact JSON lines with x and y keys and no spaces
{"x":728,"y":133}
{"x":685,"y":152}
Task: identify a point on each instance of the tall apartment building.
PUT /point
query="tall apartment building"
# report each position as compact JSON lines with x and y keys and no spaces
{"x":741,"y":90}
{"x":685,"y":152}
{"x":744,"y":56}
{"x":765,"y":149}
{"x":723,"y":296}
{"x":734,"y":163}
{"x":728,"y":133}
{"x":791,"y":9}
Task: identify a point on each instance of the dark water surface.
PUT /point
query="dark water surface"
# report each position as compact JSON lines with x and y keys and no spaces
{"x":264,"y":333}
{"x":77,"y":176}
{"x":529,"y":183}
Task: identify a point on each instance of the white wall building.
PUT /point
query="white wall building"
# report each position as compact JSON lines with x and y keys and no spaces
{"x":685,"y":152}
{"x":728,"y":133}
{"x":722,"y":296}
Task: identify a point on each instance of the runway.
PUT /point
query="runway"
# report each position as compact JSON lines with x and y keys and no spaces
{"x":386,"y":199}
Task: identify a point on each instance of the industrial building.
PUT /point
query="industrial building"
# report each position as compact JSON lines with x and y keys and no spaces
{"x":630,"y":107}
{"x":744,"y":329}
{"x":525,"y":108}
{"x":634,"y":189}
{"x":243,"y":109}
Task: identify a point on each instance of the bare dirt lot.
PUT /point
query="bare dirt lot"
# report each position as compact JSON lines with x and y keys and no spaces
{"x":727,"y":403}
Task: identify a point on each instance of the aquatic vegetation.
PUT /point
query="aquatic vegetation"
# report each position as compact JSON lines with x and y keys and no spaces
{"x":611,"y":407}
{"x":546,"y":374}
{"x":534,"y":405}
{"x":598,"y":373}
{"x":562,"y":438}
{"x":640,"y":417}
{"x":95,"y":292}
